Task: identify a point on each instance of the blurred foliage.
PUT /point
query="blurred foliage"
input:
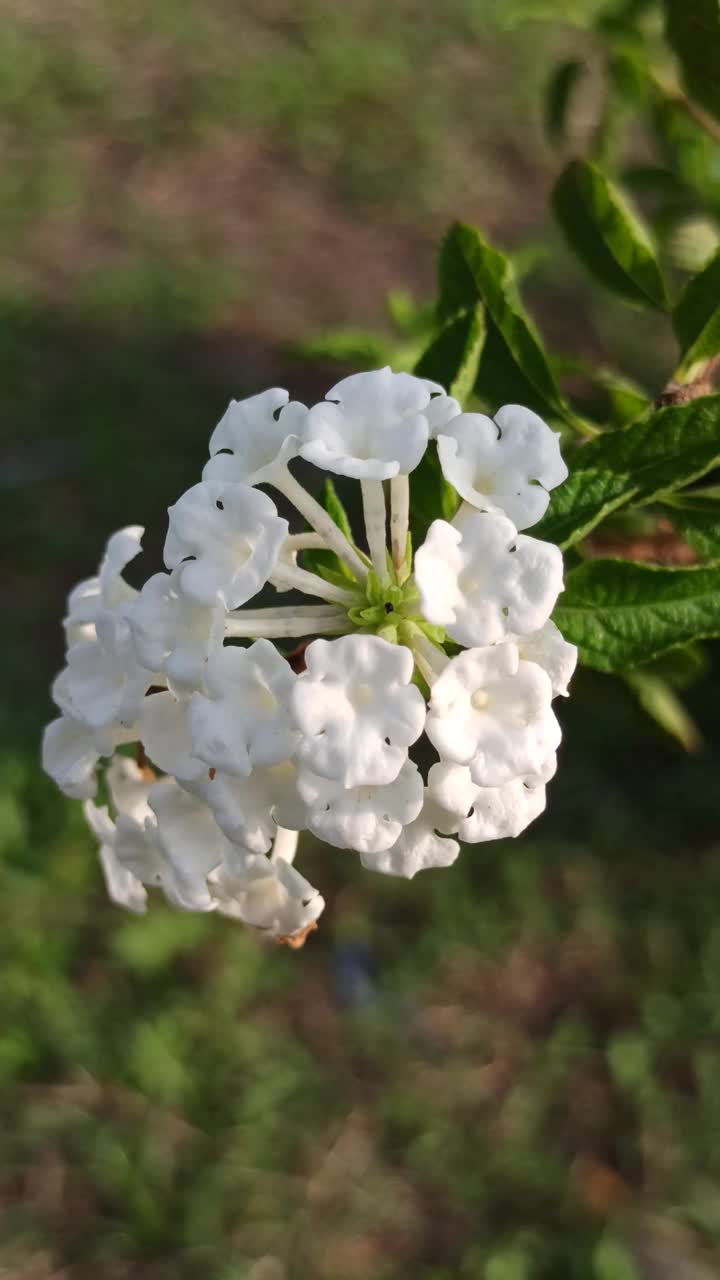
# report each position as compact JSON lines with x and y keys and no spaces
{"x":503,"y":1072}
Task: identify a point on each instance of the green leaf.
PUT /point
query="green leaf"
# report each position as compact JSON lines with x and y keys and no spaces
{"x":557,"y":98}
{"x":696,"y":517}
{"x":453,"y":356}
{"x":662,"y":704}
{"x":672,"y":447}
{"x":680,"y":668}
{"x":696,"y":318}
{"x":472,"y":272}
{"x":621,"y":614}
{"x":692,"y":28}
{"x":326,"y":563}
{"x":431,"y":497}
{"x":607,"y":235}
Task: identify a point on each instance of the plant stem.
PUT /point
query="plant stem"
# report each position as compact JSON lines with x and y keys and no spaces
{"x":303,"y":542}
{"x":272,"y":624}
{"x":373,"y":496}
{"x":287,"y":577}
{"x":284,"y":845}
{"x":399,"y":519}
{"x":321,"y":522}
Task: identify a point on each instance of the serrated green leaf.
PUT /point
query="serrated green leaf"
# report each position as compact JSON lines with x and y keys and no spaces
{"x":692,"y":28}
{"x":622,"y":615}
{"x":696,"y":517}
{"x":659,"y":700}
{"x":672,"y":447}
{"x":453,"y":357}
{"x":696,"y":318}
{"x":607,"y":235}
{"x":558,"y":97}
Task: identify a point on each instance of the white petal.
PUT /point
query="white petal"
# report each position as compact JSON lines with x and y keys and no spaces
{"x":174,"y":635}
{"x":255,"y":438}
{"x":506,"y":465}
{"x":549,"y":649}
{"x":122,"y":886}
{"x":245,"y":722}
{"x":368,"y":819}
{"x":224,"y":540}
{"x":271,"y":896}
{"x":356,"y":709}
{"x":372,"y":426}
{"x":165,"y":734}
{"x":70,"y":753}
{"x":482,"y":580}
{"x":191,"y":843}
{"x":249,"y":810}
{"x":491,"y":711}
{"x":418,"y":847}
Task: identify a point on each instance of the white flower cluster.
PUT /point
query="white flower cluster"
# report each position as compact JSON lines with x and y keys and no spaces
{"x":251,"y":744}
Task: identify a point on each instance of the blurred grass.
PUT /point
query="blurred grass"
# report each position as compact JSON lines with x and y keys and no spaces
{"x":506,"y":1071}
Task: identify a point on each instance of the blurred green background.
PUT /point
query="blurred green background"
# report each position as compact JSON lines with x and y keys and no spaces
{"x":506,"y":1071}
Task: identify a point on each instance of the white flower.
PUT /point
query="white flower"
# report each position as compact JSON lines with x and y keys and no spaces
{"x":245,"y":720}
{"x":357,"y":710}
{"x":129,"y":787}
{"x":551,"y":651}
{"x":164,"y":730}
{"x":420,"y":845}
{"x":249,"y":810}
{"x":103,"y":683}
{"x":255,"y":438}
{"x":108,"y":590}
{"x":71,"y":751}
{"x":371,"y":426}
{"x":268,"y":895}
{"x":491,"y":711}
{"x":484,"y":813}
{"x":173,"y":634}
{"x":225,"y":538}
{"x":481,"y":579}
{"x":123,"y":888}
{"x":507,"y":464}
{"x":368,"y":819}
{"x":176,"y":848}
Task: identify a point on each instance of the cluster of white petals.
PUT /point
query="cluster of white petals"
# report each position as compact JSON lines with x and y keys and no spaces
{"x":224,"y":738}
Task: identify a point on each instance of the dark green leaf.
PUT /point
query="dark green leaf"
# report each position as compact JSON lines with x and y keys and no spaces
{"x":607,"y":235}
{"x":431,"y":497}
{"x":681,"y":668}
{"x":621,"y":614}
{"x":671,"y":448}
{"x":692,"y":28}
{"x":471,"y":271}
{"x":696,"y":317}
{"x":453,"y":356}
{"x":696,"y":516}
{"x":557,"y":99}
{"x":326,"y":563}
